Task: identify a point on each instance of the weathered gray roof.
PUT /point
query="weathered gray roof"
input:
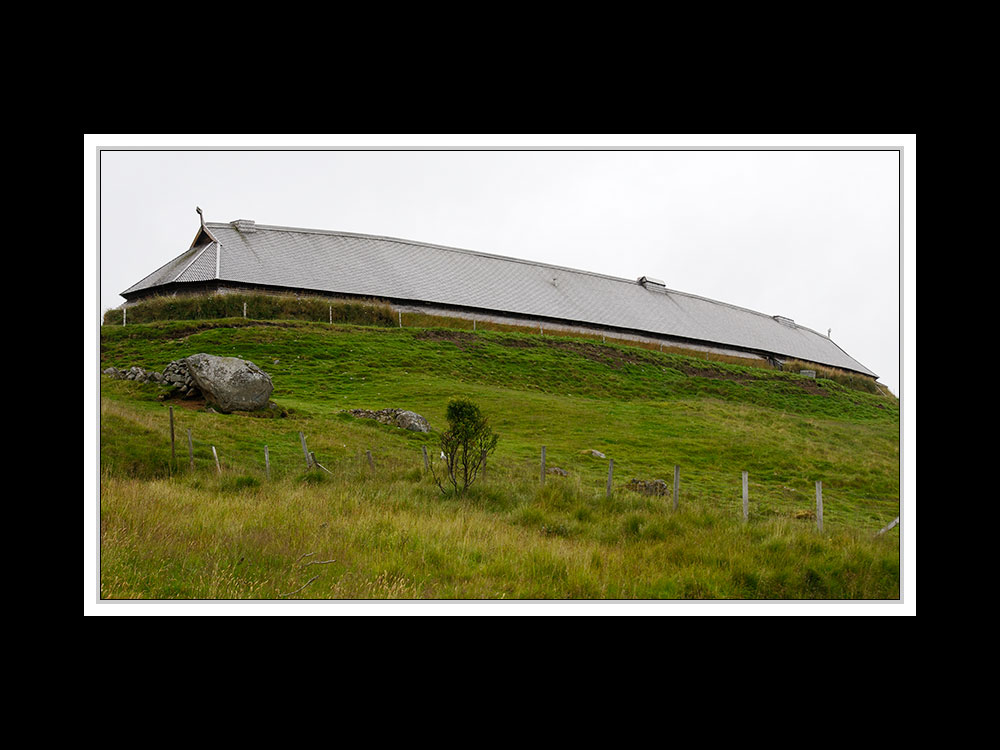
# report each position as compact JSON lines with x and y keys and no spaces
{"x":388,"y":268}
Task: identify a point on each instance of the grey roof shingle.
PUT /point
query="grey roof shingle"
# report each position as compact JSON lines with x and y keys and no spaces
{"x":385,"y":267}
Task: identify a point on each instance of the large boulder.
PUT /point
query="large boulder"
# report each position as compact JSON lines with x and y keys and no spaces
{"x":230,"y":383}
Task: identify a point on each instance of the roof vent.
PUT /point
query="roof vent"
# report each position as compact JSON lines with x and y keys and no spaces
{"x":650,"y":283}
{"x":784,"y":321}
{"x":246,"y":226}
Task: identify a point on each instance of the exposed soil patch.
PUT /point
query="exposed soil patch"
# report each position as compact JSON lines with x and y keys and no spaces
{"x":606,"y":355}
{"x":701,"y":372}
{"x":462,"y":339}
{"x":192,"y":404}
{"x":811,"y":386}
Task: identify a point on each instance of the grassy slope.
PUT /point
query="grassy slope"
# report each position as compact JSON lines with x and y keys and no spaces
{"x":393,"y":535}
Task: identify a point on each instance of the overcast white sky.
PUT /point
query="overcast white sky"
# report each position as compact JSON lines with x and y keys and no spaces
{"x":813,"y":235}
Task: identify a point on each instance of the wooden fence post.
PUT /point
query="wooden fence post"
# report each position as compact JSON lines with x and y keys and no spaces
{"x":190,"y":451}
{"x":371,"y":461}
{"x":427,"y":465}
{"x":677,"y":485}
{"x":819,"y":506}
{"x":746,"y":497}
{"x":123,"y":316}
{"x":244,"y":309}
{"x":543,"y":464}
{"x":891,"y":525}
{"x":267,"y":463}
{"x":173,"y":454}
{"x":218,"y":467}
{"x":305,"y":451}
{"x":611,"y":472}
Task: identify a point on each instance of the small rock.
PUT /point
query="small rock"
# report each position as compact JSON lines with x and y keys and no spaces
{"x":407,"y":420}
{"x":557,"y":470}
{"x":647,"y":487}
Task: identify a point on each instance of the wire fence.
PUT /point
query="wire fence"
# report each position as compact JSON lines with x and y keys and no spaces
{"x":671,"y":493}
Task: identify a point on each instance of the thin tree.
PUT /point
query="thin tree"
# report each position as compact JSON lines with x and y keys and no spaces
{"x":465,"y":445}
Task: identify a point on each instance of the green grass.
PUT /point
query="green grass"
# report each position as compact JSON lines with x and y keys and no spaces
{"x":204,"y":537}
{"x":170,"y":532}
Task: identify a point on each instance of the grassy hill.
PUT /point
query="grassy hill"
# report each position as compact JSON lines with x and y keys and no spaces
{"x":168,"y":531}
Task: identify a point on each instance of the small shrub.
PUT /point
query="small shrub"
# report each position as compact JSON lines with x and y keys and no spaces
{"x":466,"y":444}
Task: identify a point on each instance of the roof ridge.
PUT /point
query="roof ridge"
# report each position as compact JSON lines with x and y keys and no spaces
{"x":418,"y":243}
{"x":196,"y":257}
